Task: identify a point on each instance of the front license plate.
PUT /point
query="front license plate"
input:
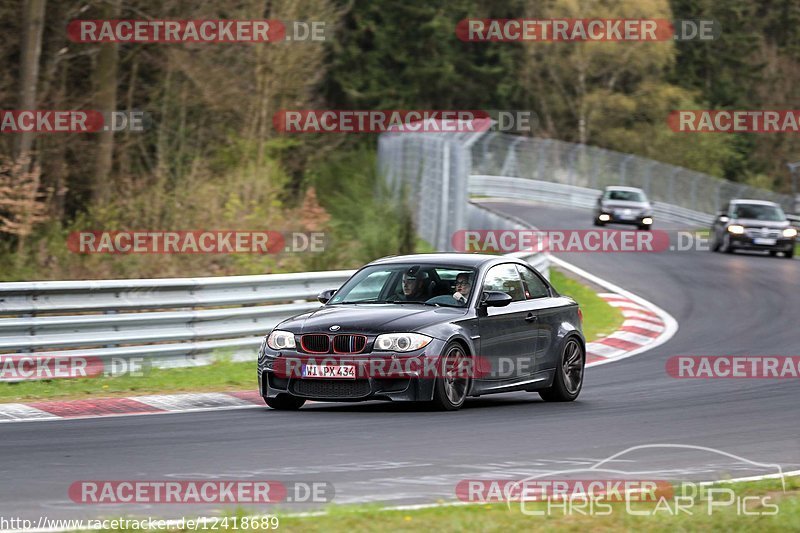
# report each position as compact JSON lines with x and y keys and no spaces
{"x":766,"y":242}
{"x":329,"y":371}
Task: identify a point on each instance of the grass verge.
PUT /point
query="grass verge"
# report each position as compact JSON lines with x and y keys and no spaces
{"x":599,"y":319}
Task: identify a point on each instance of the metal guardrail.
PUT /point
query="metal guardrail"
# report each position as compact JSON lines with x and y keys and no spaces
{"x":172,"y":322}
{"x":569,"y":195}
{"x":168,"y":322}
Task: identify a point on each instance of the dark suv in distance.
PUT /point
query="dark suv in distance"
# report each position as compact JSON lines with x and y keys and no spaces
{"x":623,"y":205}
{"x":753,"y":225}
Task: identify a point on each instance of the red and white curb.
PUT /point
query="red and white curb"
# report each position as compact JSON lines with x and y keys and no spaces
{"x":645,"y":327}
{"x":640,"y":328}
{"x":133,"y":405}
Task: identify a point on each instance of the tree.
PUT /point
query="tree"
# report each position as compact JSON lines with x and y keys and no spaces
{"x":31,"y":50}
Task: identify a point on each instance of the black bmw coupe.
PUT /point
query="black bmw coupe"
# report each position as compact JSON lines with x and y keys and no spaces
{"x":429,"y":327}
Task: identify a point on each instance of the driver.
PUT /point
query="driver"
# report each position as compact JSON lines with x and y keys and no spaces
{"x":413,"y":286}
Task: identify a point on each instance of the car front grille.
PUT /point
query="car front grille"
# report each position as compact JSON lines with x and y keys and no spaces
{"x":331,"y":388}
{"x":349,"y":343}
{"x":341,"y":344}
{"x":764,"y":233}
{"x":315,"y":343}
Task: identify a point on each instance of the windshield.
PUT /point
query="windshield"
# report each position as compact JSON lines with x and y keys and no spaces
{"x":625,"y":196}
{"x":408,"y":284}
{"x":759,"y":212}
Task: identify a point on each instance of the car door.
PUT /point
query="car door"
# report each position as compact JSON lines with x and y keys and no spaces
{"x":508,"y":334}
{"x":548,"y":318}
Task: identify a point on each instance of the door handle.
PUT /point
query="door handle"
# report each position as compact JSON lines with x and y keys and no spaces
{"x":531,"y":317}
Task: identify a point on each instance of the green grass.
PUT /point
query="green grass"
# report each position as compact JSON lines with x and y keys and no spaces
{"x":219,"y":376}
{"x":599,"y":318}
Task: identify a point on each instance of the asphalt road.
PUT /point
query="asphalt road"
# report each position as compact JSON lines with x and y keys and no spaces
{"x":742,"y":304}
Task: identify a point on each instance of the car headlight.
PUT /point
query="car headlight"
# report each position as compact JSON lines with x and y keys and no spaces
{"x":280,"y":340}
{"x":401,"y":342}
{"x":789,"y":233}
{"x":736,"y":229}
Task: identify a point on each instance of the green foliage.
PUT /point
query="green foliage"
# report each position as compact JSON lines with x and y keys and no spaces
{"x":367,"y":221}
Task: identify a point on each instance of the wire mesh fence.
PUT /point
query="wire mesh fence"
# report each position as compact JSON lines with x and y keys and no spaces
{"x":435,"y":173}
{"x":498,"y":154}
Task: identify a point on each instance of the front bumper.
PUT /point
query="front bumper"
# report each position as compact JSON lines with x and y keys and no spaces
{"x":274,"y":379}
{"x":635,"y":220}
{"x":745,"y":242}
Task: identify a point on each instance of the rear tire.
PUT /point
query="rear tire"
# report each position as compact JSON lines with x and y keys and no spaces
{"x":285,"y":402}
{"x":451,"y":388}
{"x":568,"y":381}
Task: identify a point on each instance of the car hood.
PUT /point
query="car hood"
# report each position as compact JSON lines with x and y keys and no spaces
{"x":621,"y":204}
{"x":753,"y":223}
{"x":370,"y":318}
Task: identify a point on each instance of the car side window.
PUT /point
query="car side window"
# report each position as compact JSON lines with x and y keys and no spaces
{"x":505,"y":278}
{"x":532,"y":284}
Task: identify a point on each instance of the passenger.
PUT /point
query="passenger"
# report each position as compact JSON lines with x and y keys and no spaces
{"x":463,"y":286}
{"x":460,"y":297}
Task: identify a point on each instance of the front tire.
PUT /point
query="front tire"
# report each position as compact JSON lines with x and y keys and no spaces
{"x":568,"y":380}
{"x":726,"y":245}
{"x":789,"y":254}
{"x":714,"y":243}
{"x":451,"y":388}
{"x":285,"y":402}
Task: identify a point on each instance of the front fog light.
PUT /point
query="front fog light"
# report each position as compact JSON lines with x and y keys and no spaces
{"x":604,"y":218}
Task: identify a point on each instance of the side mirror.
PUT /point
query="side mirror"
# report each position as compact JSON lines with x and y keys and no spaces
{"x":495,"y":299}
{"x":324,"y":296}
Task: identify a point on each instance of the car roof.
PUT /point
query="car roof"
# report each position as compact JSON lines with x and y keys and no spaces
{"x":446,"y":258}
{"x":758,"y":202}
{"x":623,"y":188}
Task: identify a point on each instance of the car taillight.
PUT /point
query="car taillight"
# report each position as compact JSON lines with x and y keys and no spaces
{"x":580,"y":315}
